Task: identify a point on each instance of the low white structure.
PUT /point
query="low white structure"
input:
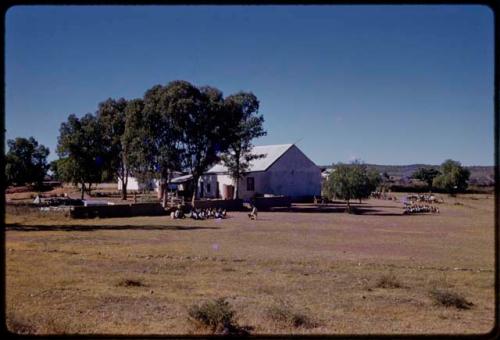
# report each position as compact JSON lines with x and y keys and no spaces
{"x":133,"y":184}
{"x":284,"y":170}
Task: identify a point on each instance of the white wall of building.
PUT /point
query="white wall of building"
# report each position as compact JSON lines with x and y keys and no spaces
{"x":293,"y":174}
{"x":132,"y":184}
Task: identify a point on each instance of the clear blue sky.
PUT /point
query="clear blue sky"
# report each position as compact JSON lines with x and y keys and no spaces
{"x":385,"y":84}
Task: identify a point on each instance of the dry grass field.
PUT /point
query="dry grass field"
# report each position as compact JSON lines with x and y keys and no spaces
{"x":288,"y":272}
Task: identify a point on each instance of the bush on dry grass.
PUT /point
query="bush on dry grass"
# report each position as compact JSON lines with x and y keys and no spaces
{"x":388,"y":281}
{"x":46,"y":325}
{"x":217,"y":316}
{"x":19,"y":325}
{"x":284,"y":314}
{"x":130,"y":283}
{"x":450,"y":299}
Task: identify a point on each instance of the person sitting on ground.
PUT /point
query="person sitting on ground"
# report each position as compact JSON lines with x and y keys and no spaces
{"x":219,"y":213}
{"x":180,"y":211}
{"x":253,"y":213}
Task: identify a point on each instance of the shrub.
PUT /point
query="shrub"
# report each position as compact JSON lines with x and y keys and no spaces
{"x":19,"y":325}
{"x":388,"y":281}
{"x":450,"y":299}
{"x":216,"y":315}
{"x":130,"y":283}
{"x":285,"y":314}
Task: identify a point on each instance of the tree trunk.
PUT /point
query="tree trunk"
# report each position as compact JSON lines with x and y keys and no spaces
{"x":348,"y":207}
{"x":164,"y":188}
{"x":236,"y":188}
{"x":124,"y":174}
{"x":237,"y":154}
{"x":83,"y":190}
{"x":195,"y":189}
{"x":124,"y":189}
{"x":164,"y":195}
{"x":162,"y":192}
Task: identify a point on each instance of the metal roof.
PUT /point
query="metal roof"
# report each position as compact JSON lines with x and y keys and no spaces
{"x":271,"y":152}
{"x":181,"y":179}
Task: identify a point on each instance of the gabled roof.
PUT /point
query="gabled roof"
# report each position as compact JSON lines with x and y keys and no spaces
{"x":271,"y":152}
{"x":181,"y":179}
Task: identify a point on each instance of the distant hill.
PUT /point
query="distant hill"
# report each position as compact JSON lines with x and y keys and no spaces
{"x":480,"y":175}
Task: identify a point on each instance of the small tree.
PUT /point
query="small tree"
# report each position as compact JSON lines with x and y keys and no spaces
{"x":246,"y":125}
{"x":352,"y":181}
{"x":55,"y":169}
{"x":372,"y":181}
{"x":137,"y":143}
{"x":26,"y":162}
{"x":82,"y":152}
{"x":426,"y":175}
{"x":453,"y":179}
{"x":363,"y":181}
{"x":111,"y":119}
{"x":338,"y":184}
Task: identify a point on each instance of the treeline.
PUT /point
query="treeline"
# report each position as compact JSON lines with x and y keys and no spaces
{"x":173,"y":127}
{"x":357,"y":181}
{"x":451,"y":178}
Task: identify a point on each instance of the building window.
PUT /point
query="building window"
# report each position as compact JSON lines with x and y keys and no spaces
{"x":250,"y":184}
{"x":208,"y":187}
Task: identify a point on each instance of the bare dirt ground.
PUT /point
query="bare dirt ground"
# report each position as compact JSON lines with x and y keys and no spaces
{"x":66,"y":276}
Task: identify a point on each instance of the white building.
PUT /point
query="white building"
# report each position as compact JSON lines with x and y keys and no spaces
{"x":284,"y":170}
{"x":134,"y":185}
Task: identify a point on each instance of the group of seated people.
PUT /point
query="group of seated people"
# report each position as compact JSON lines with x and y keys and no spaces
{"x":199,"y":214}
{"x":419,"y":208}
{"x":203,"y":214}
{"x":428,"y":198}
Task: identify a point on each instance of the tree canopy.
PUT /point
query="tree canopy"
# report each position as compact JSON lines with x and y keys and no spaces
{"x":137,"y":142}
{"x":110,"y":117}
{"x":426,"y":175}
{"x":25,"y":162}
{"x":205,"y":124}
{"x":351,"y":181}
{"x":82,"y":151}
{"x":173,"y":127}
{"x":246,"y":125}
{"x":453,"y":179}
